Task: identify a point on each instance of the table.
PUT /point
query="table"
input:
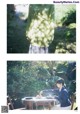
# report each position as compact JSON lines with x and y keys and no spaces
{"x":38,"y":102}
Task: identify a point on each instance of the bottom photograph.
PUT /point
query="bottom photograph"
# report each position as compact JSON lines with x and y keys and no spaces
{"x":41,"y":85}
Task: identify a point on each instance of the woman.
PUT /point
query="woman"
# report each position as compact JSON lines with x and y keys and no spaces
{"x":63,"y":97}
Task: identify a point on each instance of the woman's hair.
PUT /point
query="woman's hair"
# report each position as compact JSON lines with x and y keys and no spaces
{"x":60,"y":81}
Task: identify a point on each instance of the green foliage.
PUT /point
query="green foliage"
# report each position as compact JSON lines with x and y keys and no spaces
{"x":10,"y":12}
{"x":71,"y":71}
{"x":40,"y":28}
{"x":69,"y":18}
{"x":64,"y":36}
{"x":64,"y":40}
{"x":72,"y":87}
{"x":29,"y":77}
{"x":62,"y":10}
{"x":16,"y":32}
{"x":26,"y":78}
{"x":44,"y":27}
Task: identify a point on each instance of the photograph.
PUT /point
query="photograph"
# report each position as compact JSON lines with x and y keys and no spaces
{"x":41,"y":28}
{"x":41,"y":85}
{"x":39,"y":53}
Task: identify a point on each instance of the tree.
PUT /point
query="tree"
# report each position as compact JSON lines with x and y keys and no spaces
{"x":40,"y":27}
{"x":69,"y":18}
{"x":10,"y":26}
{"x":71,"y":75}
{"x":16,"y":32}
{"x":26,"y":78}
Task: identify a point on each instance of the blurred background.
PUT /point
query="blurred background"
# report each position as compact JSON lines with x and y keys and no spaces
{"x":27,"y":78}
{"x":41,"y":28}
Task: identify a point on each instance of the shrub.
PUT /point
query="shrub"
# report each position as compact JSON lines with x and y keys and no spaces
{"x":69,"y":18}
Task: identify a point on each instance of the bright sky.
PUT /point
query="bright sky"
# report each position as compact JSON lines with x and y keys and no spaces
{"x":22,"y":9}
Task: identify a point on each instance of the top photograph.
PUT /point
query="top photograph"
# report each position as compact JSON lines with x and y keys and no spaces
{"x":41,"y":28}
